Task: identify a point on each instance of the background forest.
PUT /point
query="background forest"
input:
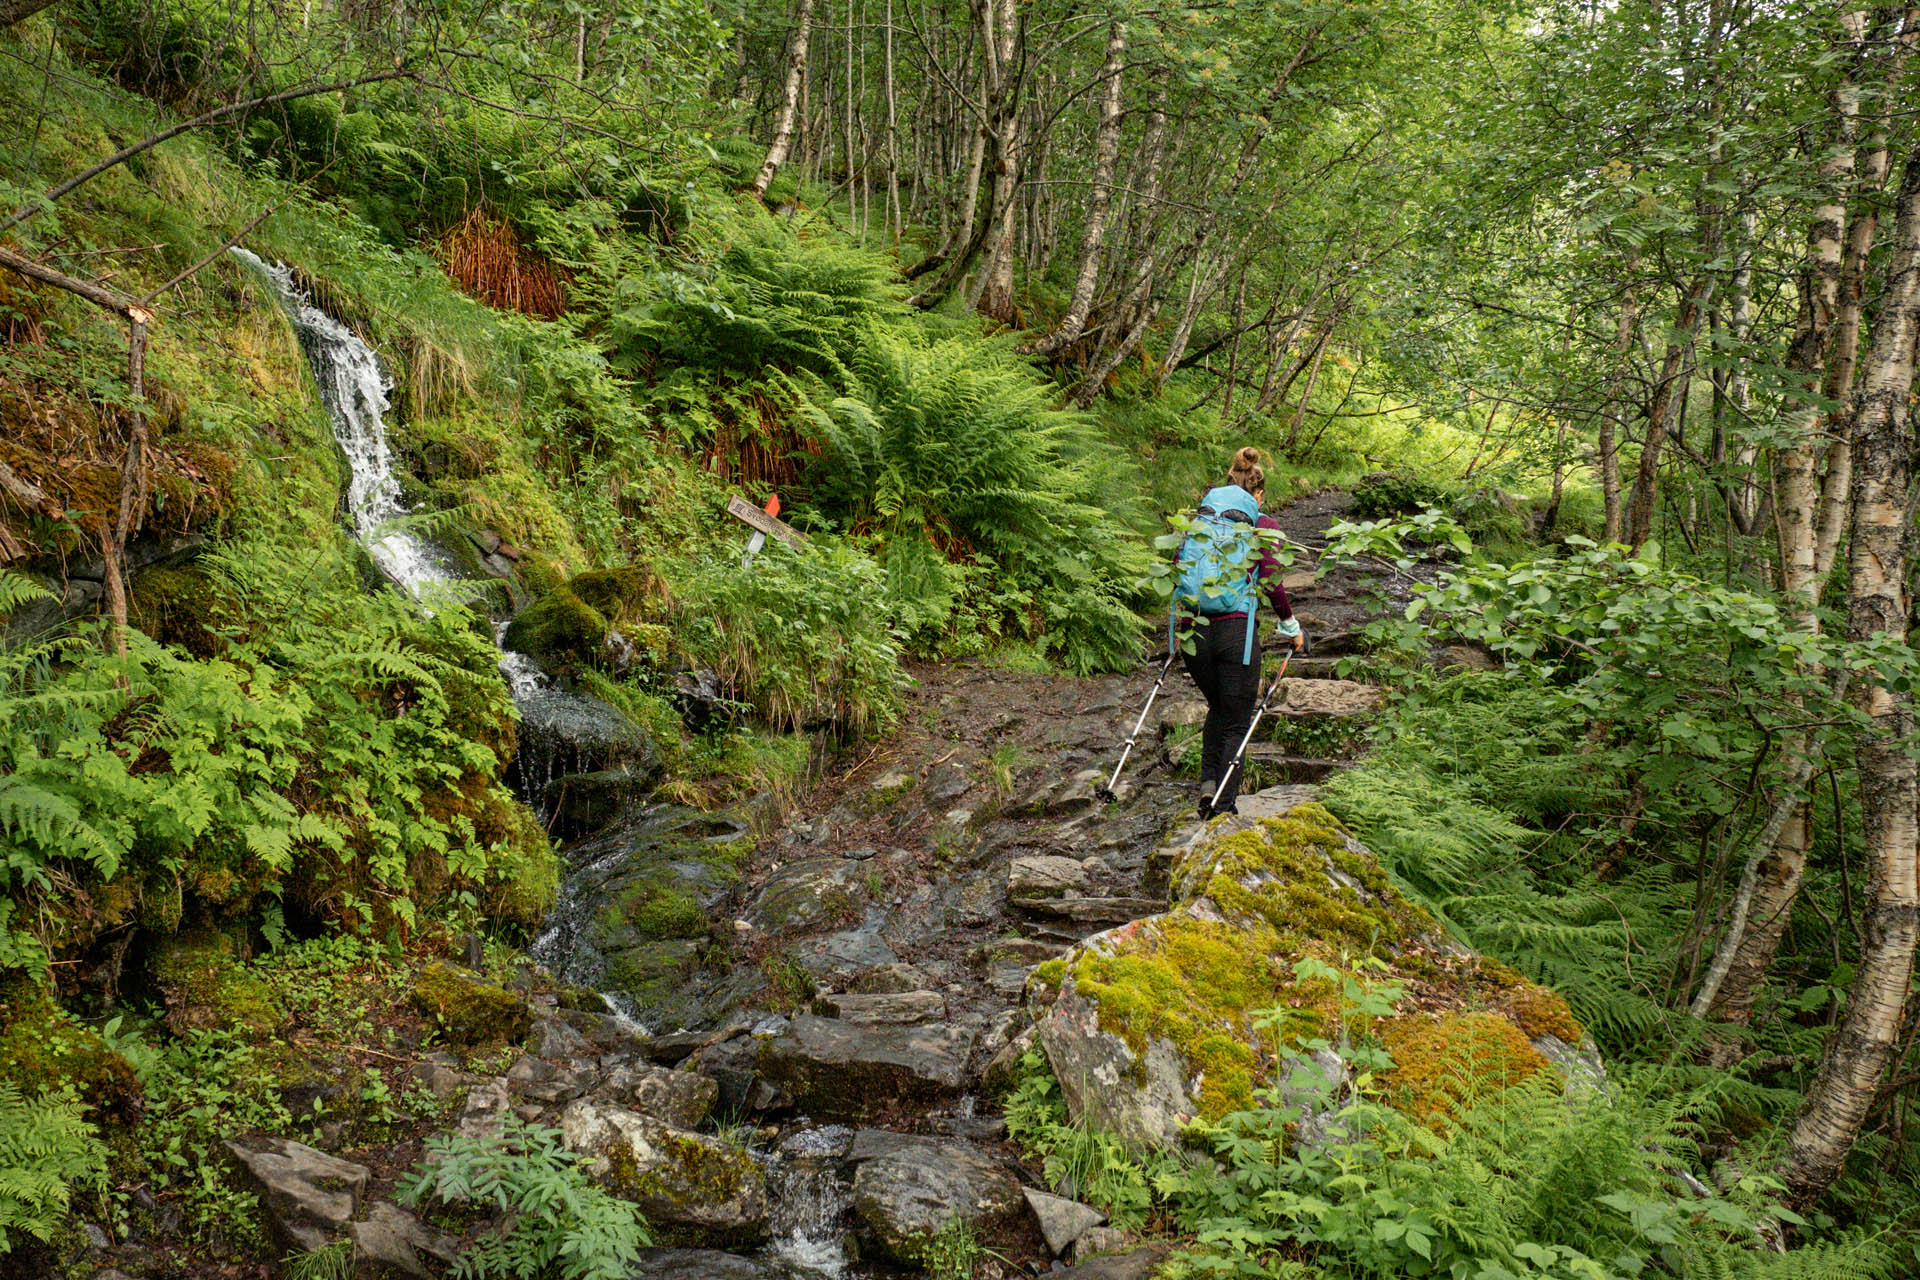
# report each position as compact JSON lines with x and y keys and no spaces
{"x":1611,"y":311}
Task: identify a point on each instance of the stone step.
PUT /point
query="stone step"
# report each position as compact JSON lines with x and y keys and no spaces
{"x":1294,"y":768}
{"x":1089,"y":910}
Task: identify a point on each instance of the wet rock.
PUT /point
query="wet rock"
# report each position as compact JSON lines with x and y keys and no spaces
{"x":905,"y":1189}
{"x":1330,"y":697}
{"x":839,"y":956}
{"x":1034,"y":879}
{"x":883,"y":1010}
{"x":468,"y":1010}
{"x":807,"y":894}
{"x":579,"y":804}
{"x":1062,"y":1221}
{"x":306,"y":1195}
{"x":692,"y":1188}
{"x":698,"y":1264}
{"x":569,"y":735}
{"x":836,"y":1070}
{"x":683,"y":1099}
{"x":889,"y":979}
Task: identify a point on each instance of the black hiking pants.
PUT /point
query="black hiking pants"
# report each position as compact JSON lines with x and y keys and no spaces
{"x":1232,"y":690}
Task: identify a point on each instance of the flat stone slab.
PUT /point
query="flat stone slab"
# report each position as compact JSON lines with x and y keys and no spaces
{"x":1096,"y":910}
{"x":1329,"y":697}
{"x":698,"y":1264}
{"x":1043,"y":876}
{"x":834,"y":1069}
{"x":881,"y":1009}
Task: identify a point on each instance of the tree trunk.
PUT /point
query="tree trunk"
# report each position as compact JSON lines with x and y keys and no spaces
{"x":12,"y":11}
{"x":1607,"y":459}
{"x":1646,"y":484}
{"x":1878,"y":607}
{"x":1093,"y":233}
{"x":782,"y":143}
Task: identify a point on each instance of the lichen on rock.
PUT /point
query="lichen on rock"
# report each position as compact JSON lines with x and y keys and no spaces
{"x":1153,"y":1025}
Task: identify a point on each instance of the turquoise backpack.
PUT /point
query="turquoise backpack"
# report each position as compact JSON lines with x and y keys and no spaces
{"x":1219,"y":562}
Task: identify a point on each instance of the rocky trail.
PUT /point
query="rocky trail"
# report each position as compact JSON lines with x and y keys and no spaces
{"x":813,"y":1014}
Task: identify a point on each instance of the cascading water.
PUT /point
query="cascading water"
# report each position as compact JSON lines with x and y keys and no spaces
{"x":811,"y":1196}
{"x":355,"y":390}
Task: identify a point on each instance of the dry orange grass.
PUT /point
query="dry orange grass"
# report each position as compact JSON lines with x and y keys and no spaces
{"x":485,"y":258}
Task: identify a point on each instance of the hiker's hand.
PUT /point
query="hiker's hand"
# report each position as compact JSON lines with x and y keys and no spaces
{"x":1299,"y":641}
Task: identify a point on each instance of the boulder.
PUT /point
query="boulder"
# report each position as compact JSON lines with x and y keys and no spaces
{"x":906,"y":1189}
{"x":888,"y":979}
{"x":1329,"y":697}
{"x":836,"y":1070}
{"x":1151,"y":1025}
{"x":693,"y":1189}
{"x":1138,"y":1263}
{"x":809,"y":893}
{"x":467,"y":1009}
{"x":205,"y":987}
{"x":1062,"y":1221}
{"x":306,"y":1195}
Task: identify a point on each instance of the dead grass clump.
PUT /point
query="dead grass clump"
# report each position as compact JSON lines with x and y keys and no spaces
{"x":485,"y":258}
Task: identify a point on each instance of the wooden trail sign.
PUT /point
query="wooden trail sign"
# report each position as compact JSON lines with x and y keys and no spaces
{"x":763,"y":523}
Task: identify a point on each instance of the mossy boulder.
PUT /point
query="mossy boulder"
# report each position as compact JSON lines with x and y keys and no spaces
{"x":42,"y":1050}
{"x":179,"y":607}
{"x":205,"y":987}
{"x":632,"y":591}
{"x":468,"y":1009}
{"x":693,"y":1189}
{"x":560,"y":631}
{"x":1155,"y":1024}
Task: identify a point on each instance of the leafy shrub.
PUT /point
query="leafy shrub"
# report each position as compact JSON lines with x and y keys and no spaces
{"x":1094,"y":1165}
{"x":47,"y":1149}
{"x":552,"y":1219}
{"x":801,"y":634}
{"x":989,"y":502}
{"x":1394,"y":493}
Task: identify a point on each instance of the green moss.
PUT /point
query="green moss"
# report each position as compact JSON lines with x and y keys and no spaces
{"x":1286,"y":889}
{"x":179,"y":607}
{"x":468,"y":1010}
{"x":559,"y":631}
{"x":43,"y":1050}
{"x":205,"y":987}
{"x":659,"y":911}
{"x":630,"y":591}
{"x":526,"y":869}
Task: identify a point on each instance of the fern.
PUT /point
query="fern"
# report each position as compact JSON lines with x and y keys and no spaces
{"x":47,"y":1151}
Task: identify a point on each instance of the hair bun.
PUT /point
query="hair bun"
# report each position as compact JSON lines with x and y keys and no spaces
{"x":1247,"y":457}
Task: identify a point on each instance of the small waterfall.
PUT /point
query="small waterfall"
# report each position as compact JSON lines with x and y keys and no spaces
{"x":810,"y":1195}
{"x":355,"y":390}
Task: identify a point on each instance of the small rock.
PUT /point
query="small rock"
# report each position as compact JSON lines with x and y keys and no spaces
{"x":1467,"y":657}
{"x":699,"y":1188}
{"x":553,"y":1038}
{"x":530,"y":1071}
{"x":906,"y":1189}
{"x":883,"y":1010}
{"x":946,"y":783}
{"x":468,"y":1010}
{"x":1090,"y":1265}
{"x":1062,"y":1221}
{"x":488,"y":1105}
{"x":306,"y":1194}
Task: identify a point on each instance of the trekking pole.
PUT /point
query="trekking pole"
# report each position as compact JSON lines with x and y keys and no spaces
{"x":1258,"y":712}
{"x":1135,"y":735}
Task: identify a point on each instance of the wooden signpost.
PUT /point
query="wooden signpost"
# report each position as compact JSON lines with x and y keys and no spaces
{"x":763,"y":522}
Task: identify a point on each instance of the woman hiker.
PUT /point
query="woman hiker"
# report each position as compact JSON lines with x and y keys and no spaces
{"x":1225,"y":658}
